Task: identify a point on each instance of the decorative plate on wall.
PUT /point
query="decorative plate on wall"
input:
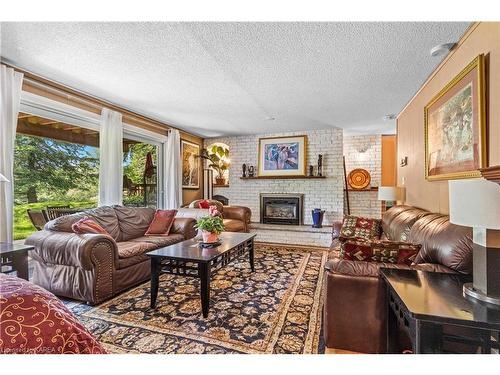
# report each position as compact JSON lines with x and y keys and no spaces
{"x":359,"y":179}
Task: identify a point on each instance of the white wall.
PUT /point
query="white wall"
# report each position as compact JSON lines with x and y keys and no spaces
{"x":364,"y":203}
{"x":318,"y":193}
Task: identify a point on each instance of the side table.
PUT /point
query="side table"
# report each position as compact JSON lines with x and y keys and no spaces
{"x":431,"y":308}
{"x":14,"y":258}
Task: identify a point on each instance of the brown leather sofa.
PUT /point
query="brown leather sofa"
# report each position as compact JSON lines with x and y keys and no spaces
{"x":94,"y":267}
{"x":236,"y":218}
{"x":355,"y":315}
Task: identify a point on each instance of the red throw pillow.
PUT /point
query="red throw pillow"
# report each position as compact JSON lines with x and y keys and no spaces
{"x":162,"y":222}
{"x":379,"y":251}
{"x":360,"y":227}
{"x":88,"y":225}
{"x":205,"y":204}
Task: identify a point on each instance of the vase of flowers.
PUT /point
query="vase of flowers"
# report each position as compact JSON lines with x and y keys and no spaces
{"x":211,"y":226}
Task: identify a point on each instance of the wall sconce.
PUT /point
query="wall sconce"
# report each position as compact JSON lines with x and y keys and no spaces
{"x":403,"y":162}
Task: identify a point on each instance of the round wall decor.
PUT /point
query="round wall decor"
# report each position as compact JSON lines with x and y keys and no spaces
{"x":359,"y":179}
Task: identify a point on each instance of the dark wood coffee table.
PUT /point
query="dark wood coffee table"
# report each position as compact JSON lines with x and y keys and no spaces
{"x":188,"y":258}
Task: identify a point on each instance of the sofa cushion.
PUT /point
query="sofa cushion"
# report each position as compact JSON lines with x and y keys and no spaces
{"x":161,"y":224}
{"x":379,"y":251}
{"x":233,"y":225}
{"x":160,"y":241}
{"x":127,"y":249}
{"x":131,"y":261}
{"x":360,"y":227}
{"x":397,"y":222}
{"x":133,"y":221}
{"x":444,"y":243}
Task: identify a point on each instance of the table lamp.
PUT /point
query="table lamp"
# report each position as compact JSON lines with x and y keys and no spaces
{"x":391,"y":193}
{"x":476,"y":203}
{"x":3,"y":178}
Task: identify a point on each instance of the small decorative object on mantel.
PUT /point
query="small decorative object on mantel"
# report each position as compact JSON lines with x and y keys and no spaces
{"x":244,"y":168}
{"x":317,"y":216}
{"x":251,"y":171}
{"x":359,"y":179}
{"x":311,"y":170}
{"x":211,"y":226}
{"x":320,"y":165}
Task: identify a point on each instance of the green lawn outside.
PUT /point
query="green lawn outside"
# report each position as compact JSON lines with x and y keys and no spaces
{"x":22,"y":223}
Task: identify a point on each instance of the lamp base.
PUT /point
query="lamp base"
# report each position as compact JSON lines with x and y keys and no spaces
{"x":470,"y":291}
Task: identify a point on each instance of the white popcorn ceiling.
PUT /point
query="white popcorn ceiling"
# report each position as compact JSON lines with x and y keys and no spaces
{"x":218,"y":79}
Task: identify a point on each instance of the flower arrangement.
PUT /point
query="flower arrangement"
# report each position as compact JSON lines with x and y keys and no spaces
{"x":211,"y":226}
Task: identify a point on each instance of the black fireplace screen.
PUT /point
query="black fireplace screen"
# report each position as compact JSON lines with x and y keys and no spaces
{"x":281,"y":210}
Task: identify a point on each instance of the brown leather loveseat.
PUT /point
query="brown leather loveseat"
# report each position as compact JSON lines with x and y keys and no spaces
{"x":95,"y":267}
{"x":355,"y":315}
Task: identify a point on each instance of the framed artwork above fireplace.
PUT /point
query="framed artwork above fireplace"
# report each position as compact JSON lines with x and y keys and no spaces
{"x":282,"y":156}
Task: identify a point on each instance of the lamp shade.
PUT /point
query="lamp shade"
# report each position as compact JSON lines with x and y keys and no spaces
{"x":3,"y":178}
{"x":475,"y":203}
{"x":391,"y":193}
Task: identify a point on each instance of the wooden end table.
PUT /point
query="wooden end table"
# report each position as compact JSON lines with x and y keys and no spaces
{"x":14,"y":258}
{"x":432,"y":309}
{"x":188,"y":258}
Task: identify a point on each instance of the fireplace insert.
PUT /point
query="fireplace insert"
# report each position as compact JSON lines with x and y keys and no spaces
{"x":281,"y":209}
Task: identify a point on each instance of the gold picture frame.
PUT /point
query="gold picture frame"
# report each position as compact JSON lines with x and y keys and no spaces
{"x":282,"y":156}
{"x":190,"y":165}
{"x":455,"y":126}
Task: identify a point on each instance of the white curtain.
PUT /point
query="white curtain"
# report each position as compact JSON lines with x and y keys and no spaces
{"x":173,"y":171}
{"x":111,"y":158}
{"x":10,"y":100}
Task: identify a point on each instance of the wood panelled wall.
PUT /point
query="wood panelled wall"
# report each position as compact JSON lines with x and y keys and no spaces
{"x":481,"y":38}
{"x":51,"y":90}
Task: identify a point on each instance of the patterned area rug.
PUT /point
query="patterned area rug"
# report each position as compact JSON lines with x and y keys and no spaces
{"x":277,"y":309}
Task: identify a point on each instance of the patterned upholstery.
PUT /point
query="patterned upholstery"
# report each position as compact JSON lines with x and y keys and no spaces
{"x":34,"y":321}
{"x":359,"y":249}
{"x":360,"y":227}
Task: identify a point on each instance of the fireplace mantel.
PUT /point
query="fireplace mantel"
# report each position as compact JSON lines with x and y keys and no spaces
{"x":280,"y":177}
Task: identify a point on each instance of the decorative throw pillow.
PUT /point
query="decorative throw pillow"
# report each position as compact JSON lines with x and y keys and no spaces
{"x":88,"y":225}
{"x":356,"y":249}
{"x":379,"y":251}
{"x":360,"y":227}
{"x":162,"y":222}
{"x":395,"y":252}
{"x":205,"y":204}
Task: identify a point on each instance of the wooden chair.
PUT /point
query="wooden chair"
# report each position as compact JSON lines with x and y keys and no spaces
{"x":55,"y":212}
{"x":38,"y":218}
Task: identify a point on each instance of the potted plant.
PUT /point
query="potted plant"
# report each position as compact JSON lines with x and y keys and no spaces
{"x":218,"y":160}
{"x":211,"y":226}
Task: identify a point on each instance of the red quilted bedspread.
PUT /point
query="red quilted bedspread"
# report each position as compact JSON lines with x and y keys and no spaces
{"x":34,"y":321}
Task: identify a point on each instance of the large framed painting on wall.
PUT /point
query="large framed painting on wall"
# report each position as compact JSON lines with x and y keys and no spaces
{"x":282,"y":156}
{"x":455,"y":126}
{"x":190,"y":165}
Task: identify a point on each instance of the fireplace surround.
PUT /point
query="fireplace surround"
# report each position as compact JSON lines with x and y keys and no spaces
{"x":281,"y":208}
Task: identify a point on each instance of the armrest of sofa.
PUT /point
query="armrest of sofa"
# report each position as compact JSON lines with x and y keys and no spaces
{"x":79,"y":250}
{"x":237,"y":213}
{"x":184,"y":226}
{"x":336,"y":227}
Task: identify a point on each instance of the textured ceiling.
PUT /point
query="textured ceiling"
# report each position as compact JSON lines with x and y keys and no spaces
{"x":227,"y":78}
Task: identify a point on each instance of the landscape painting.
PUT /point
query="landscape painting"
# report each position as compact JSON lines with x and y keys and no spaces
{"x":455,"y":127}
{"x":282,"y":156}
{"x":190,"y":165}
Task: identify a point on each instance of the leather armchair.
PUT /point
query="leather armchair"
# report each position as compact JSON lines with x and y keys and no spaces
{"x":355,"y":315}
{"x":236,"y":218}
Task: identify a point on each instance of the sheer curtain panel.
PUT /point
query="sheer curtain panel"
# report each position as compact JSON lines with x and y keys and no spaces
{"x":111,"y":158}
{"x":173,"y":171}
{"x":10,"y":99}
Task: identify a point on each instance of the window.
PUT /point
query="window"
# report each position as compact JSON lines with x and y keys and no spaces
{"x":56,"y":164}
{"x":140,"y":173}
